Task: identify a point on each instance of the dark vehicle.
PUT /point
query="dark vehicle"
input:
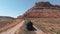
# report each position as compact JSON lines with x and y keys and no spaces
{"x":29,"y":26}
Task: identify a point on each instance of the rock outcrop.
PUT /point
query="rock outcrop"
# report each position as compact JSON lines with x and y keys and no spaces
{"x":42,"y":10}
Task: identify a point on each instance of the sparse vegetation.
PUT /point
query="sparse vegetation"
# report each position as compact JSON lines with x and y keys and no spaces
{"x":12,"y":24}
{"x":48,"y":24}
{"x":5,"y":22}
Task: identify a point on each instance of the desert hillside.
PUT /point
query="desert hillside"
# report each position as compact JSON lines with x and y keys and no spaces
{"x":5,"y":20}
{"x":48,"y":25}
{"x":44,"y":16}
{"x":43,"y":10}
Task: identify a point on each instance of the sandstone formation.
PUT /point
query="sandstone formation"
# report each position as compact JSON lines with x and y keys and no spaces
{"x":45,"y":16}
{"x":42,"y":10}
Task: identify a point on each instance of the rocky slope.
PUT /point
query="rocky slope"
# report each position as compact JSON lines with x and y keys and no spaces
{"x":43,"y":10}
{"x":45,"y":16}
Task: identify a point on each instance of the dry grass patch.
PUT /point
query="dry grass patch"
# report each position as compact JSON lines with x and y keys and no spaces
{"x":51,"y":25}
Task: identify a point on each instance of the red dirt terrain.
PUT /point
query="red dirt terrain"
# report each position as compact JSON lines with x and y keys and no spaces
{"x":45,"y":17}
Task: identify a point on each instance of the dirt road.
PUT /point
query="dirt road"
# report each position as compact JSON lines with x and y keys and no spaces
{"x":14,"y":29}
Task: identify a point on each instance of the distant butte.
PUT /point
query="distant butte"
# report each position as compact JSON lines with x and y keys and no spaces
{"x":42,"y":10}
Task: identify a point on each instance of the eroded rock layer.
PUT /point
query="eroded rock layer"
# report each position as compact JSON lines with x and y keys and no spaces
{"x":42,"y":10}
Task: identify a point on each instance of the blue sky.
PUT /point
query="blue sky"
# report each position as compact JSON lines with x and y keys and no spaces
{"x":15,"y":8}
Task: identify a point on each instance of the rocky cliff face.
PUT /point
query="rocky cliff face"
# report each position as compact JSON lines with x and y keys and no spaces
{"x":42,"y":10}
